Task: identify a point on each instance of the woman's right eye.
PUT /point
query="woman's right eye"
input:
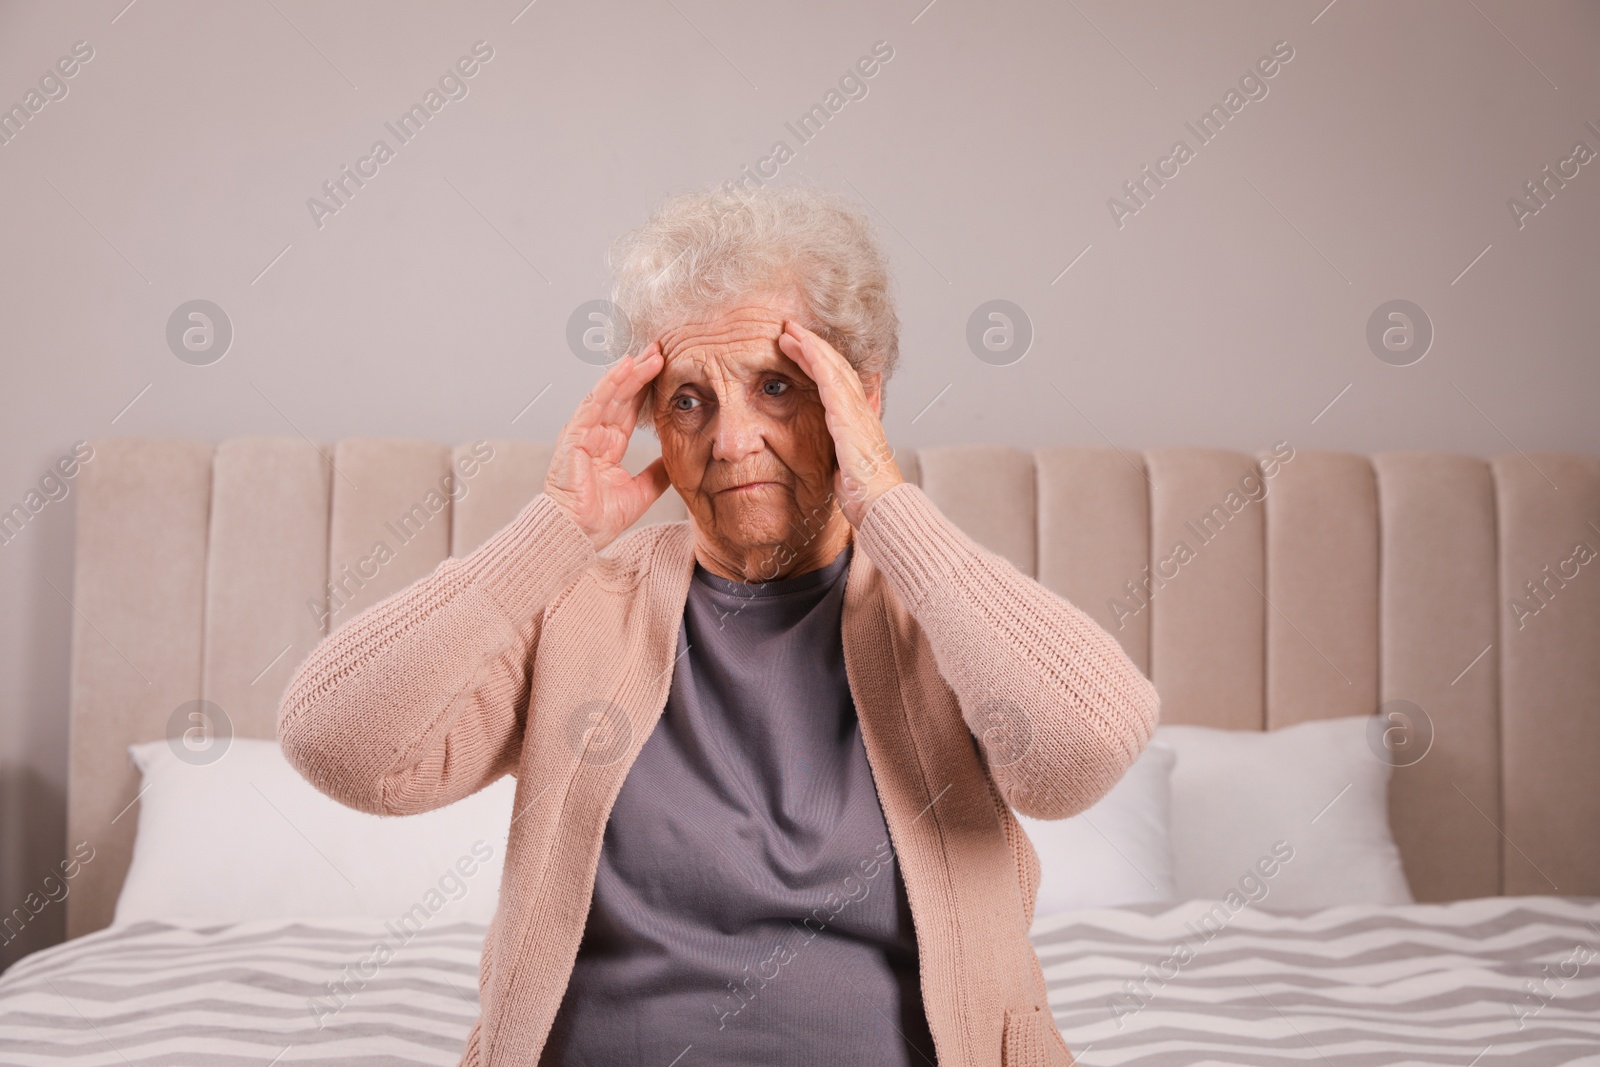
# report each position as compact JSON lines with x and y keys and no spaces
{"x":676,"y":401}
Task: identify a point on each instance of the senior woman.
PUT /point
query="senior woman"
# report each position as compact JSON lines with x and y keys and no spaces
{"x":766,"y":759}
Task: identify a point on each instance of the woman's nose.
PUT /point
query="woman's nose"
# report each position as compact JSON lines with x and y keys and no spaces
{"x":738,"y":430}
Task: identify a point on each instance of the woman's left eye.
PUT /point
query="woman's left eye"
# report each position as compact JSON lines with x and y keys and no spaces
{"x":782,"y":385}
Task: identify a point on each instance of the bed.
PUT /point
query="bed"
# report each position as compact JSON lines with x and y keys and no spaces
{"x":1422,"y":983}
{"x":1317,"y":587}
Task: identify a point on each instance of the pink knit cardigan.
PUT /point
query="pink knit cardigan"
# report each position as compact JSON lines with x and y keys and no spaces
{"x":536,"y":656}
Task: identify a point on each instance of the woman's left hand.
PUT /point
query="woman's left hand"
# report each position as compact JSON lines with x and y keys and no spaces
{"x":866,"y":466}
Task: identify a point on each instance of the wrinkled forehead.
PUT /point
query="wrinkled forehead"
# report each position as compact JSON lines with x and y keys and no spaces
{"x":735,"y":343}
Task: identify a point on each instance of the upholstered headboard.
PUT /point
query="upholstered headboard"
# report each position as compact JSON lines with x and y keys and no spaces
{"x":1308,"y":585}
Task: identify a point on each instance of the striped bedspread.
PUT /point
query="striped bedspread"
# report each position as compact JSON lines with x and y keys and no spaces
{"x":1482,"y":982}
{"x":1492,"y":981}
{"x":270,"y":992}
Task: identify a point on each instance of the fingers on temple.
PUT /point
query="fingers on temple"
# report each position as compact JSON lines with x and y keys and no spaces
{"x":592,"y":408}
{"x":632,"y":375}
{"x":804,"y":352}
{"x":616,"y":397}
{"x":634,"y":395}
{"x":823,"y":361}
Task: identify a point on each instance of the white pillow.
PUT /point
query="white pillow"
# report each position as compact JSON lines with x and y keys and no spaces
{"x":1115,"y":853}
{"x":246,"y":837}
{"x":1317,"y":787}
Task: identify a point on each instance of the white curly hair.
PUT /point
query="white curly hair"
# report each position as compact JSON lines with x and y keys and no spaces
{"x":704,"y":251}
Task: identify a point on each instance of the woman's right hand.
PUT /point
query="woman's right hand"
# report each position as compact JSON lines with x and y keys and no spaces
{"x":587,"y":479}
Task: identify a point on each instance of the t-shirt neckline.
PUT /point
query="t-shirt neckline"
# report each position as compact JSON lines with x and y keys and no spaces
{"x":823,"y":575}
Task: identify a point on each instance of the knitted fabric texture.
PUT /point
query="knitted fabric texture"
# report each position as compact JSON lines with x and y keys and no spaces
{"x":978,"y":692}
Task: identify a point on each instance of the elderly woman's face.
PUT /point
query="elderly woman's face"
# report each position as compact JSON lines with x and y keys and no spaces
{"x":743,"y":433}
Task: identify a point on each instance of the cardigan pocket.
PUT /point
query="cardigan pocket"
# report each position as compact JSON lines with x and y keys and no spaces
{"x":1031,"y":1040}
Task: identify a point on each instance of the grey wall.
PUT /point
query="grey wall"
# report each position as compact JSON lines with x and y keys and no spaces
{"x":1230,"y":309}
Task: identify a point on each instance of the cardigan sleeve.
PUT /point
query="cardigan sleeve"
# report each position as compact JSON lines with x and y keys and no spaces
{"x":1059,"y":710}
{"x":421,"y":699}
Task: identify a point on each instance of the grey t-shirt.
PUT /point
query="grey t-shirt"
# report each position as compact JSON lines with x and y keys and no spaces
{"x":747,"y":907}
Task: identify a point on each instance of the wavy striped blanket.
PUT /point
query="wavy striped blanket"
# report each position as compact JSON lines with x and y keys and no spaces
{"x":1491,"y":981}
{"x":1482,"y":982}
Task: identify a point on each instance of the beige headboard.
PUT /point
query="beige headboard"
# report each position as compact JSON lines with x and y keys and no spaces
{"x":203,"y":572}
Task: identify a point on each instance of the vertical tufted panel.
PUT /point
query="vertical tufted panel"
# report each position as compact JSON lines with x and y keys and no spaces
{"x":1440,"y":615}
{"x":190,"y":571}
{"x":1550,"y":664}
{"x":496,"y":488}
{"x":137,"y":596}
{"x":988,"y":491}
{"x":1322,"y":584}
{"x":1094,"y":538}
{"x":266,"y":570}
{"x":390,"y":523}
{"x":1207,"y":621}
